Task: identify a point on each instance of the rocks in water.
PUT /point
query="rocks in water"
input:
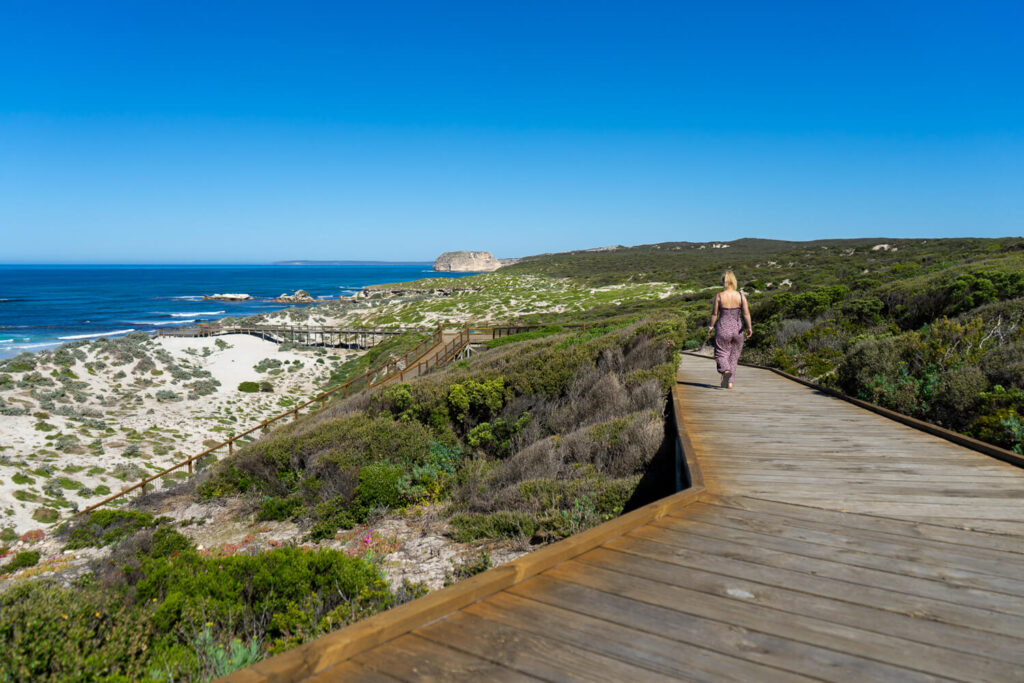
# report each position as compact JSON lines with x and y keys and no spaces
{"x":300,"y":296}
{"x":227,"y":297}
{"x":469,"y":262}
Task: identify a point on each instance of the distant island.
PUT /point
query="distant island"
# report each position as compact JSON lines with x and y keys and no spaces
{"x":351,"y":263}
{"x":470,"y":262}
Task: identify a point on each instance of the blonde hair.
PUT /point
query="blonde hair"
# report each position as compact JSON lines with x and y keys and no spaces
{"x":729,"y":280}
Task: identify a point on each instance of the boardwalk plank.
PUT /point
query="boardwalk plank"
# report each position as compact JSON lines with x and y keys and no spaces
{"x":745,"y":641}
{"x":412,"y":658}
{"x":350,"y":671}
{"x":903,"y":577}
{"x":911,"y":528}
{"x":532,"y":654}
{"x":832,"y":601}
{"x":662,"y":649}
{"x":857,"y":558}
{"x":926,"y":658}
{"x":888,"y":545}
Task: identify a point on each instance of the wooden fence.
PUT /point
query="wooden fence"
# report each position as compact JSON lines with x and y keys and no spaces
{"x":306,"y":335}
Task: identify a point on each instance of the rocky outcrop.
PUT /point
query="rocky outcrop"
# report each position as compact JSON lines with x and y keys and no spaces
{"x":300,"y":296}
{"x":378,"y":292}
{"x":467,"y":262}
{"x":227,"y":297}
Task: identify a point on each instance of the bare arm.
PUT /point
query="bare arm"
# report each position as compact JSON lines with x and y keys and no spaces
{"x":714,"y":314}
{"x":746,"y":315}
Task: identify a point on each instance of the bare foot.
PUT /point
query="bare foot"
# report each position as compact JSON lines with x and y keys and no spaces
{"x":730,"y":385}
{"x":725,"y":379}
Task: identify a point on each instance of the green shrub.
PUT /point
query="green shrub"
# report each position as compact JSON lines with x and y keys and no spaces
{"x":276,"y":588}
{"x":166,"y":542}
{"x":23,"y":362}
{"x":222,"y":660}
{"x":379,"y":487}
{"x":45,"y":515}
{"x":279,"y":509}
{"x":267,"y":364}
{"x":477,"y":565}
{"x":430,"y":481}
{"x":331,"y":515}
{"x":249,"y":387}
{"x":177,"y":615}
{"x":480,"y":399}
{"x":494,"y":525}
{"x":48,"y":633}
{"x":201,"y":387}
{"x":808,"y":305}
{"x":229,"y":480}
{"x":22,"y":560}
{"x":104,"y":527}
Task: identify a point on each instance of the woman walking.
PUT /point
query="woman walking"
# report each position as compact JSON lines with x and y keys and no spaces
{"x":727,"y":326}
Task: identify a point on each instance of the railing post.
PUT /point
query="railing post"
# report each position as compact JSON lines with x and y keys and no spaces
{"x":143,"y":484}
{"x":231,"y":445}
{"x":190,"y":466}
{"x":296,"y":414}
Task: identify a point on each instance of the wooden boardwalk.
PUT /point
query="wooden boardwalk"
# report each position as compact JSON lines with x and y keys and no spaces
{"x":818,"y":541}
{"x":306,"y":335}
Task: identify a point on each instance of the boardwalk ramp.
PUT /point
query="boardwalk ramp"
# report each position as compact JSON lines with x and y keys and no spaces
{"x":816,"y":541}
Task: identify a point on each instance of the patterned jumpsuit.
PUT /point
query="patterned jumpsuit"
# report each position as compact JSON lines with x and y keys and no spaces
{"x":728,"y":338}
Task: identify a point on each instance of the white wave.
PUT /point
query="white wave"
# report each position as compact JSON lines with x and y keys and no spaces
{"x":35,"y":346}
{"x":194,"y":314}
{"x":101,"y":334}
{"x":189,"y":298}
{"x":160,"y":322}
{"x":6,"y":341}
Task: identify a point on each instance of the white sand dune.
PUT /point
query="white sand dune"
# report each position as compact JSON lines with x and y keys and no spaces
{"x":162,"y":431}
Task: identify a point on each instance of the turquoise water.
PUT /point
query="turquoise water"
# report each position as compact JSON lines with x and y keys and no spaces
{"x":43,"y":306}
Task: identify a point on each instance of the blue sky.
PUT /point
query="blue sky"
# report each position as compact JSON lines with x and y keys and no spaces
{"x":251,"y":131}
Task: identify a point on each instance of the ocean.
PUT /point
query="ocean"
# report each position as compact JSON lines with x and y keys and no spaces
{"x":43,"y":306}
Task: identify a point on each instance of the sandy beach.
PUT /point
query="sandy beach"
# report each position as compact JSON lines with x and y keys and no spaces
{"x":89,"y":420}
